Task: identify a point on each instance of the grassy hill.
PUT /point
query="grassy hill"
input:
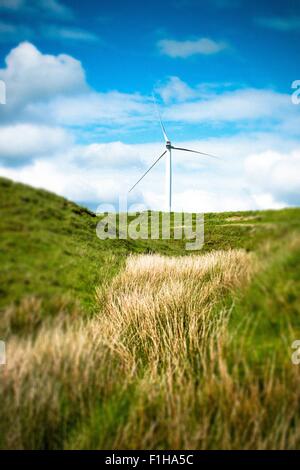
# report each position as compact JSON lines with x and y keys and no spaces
{"x":79,"y":310}
{"x":49,"y":246}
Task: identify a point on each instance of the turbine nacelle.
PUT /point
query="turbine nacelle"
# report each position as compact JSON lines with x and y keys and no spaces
{"x":168,"y":145}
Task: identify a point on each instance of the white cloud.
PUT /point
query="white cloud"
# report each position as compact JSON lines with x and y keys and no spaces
{"x":65,"y":176}
{"x":48,"y":98}
{"x":22,"y":142}
{"x":251,"y":108}
{"x":32,"y":76}
{"x":237,"y":105}
{"x":62,"y":179}
{"x":110,"y":155}
{"x":53,"y":90}
{"x":44,"y":87}
{"x":183,"y":49}
{"x":175,"y":90}
{"x":244,"y":179}
{"x":201,"y":201}
{"x":248,"y":177}
{"x":107,"y":108}
{"x":267,"y":201}
{"x":276,"y":173}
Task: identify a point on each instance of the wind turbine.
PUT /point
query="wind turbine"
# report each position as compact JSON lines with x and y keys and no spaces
{"x":168,"y":151}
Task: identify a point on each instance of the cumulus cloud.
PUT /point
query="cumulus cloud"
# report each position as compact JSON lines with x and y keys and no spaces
{"x":107,"y":108}
{"x":236,"y":105}
{"x":249,"y":176}
{"x":276,"y":173}
{"x":175,"y":90}
{"x":49,"y":104}
{"x":211,"y":201}
{"x":187,"y":48}
{"x":65,"y":179}
{"x":31,"y":76}
{"x":66,"y":175}
{"x":260,"y":109}
{"x":245,"y":178}
{"x":53,"y":88}
{"x":23,"y":142}
{"x":110,"y":155}
{"x":197,"y":200}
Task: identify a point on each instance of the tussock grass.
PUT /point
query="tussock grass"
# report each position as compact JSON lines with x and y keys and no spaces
{"x":32,"y":312}
{"x":49,"y":247}
{"x":53,"y":380}
{"x":161,"y":309}
{"x":158,"y":367}
{"x":184,"y":352}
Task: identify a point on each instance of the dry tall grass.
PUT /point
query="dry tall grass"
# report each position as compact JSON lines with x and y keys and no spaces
{"x":161,"y":310}
{"x":162,"y":342}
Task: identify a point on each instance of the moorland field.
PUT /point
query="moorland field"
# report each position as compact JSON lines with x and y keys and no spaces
{"x":138,"y":344}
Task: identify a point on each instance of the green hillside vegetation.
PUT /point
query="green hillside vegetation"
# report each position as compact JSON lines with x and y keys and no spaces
{"x":49,"y":246}
{"x":138,"y":324}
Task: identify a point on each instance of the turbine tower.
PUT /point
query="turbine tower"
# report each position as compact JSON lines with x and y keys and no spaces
{"x":168,"y":151}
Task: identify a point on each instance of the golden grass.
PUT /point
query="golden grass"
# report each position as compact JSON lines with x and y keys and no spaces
{"x":31,"y":313}
{"x":160,"y":310}
{"x":161,"y":340}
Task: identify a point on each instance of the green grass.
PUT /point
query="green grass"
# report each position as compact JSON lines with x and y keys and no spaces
{"x":52,"y":266}
{"x":271,"y":305}
{"x":49,"y":246}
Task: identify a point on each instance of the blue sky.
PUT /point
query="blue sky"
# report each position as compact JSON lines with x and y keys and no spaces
{"x":79,"y":119}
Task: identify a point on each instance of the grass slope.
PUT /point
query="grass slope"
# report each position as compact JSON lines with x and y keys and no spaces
{"x":49,"y":246}
{"x":185,"y":352}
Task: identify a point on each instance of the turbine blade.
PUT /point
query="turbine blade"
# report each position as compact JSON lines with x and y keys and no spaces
{"x":195,"y":151}
{"x":159,"y":118}
{"x":156,"y":161}
{"x":164,"y":131}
